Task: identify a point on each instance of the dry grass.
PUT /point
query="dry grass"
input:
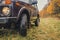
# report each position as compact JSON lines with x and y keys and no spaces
{"x":49,"y":29}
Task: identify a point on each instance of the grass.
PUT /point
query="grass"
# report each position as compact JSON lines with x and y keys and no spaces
{"x":49,"y":29}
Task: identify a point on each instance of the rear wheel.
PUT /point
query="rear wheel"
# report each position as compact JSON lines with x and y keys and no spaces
{"x":23,"y":25}
{"x":37,"y":22}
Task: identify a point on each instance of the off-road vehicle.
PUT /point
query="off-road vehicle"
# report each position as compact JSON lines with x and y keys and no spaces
{"x":21,"y":13}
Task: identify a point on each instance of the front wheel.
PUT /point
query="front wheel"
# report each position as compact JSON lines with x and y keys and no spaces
{"x":23,"y":25}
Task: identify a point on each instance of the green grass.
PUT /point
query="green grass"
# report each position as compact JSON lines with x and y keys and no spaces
{"x":49,"y":29}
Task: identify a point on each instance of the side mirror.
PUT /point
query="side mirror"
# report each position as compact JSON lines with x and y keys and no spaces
{"x":34,"y":2}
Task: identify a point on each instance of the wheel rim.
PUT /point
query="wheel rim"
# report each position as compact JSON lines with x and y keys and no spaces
{"x":23,"y":21}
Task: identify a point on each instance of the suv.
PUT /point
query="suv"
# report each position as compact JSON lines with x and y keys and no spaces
{"x":18,"y":14}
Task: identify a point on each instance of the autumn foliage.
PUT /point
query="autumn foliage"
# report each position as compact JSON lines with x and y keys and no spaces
{"x":52,"y":7}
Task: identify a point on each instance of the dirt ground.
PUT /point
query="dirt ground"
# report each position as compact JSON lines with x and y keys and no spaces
{"x":49,"y":29}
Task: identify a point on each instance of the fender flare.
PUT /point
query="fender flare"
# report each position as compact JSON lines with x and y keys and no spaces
{"x":21,"y":10}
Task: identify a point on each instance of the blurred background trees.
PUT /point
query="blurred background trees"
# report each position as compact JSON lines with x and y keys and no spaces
{"x":53,"y":7}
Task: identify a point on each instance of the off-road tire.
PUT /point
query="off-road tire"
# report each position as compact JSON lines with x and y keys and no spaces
{"x":37,"y":22}
{"x":23,"y":25}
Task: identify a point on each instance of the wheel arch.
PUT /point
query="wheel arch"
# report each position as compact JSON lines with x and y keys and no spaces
{"x":23,"y":10}
{"x":26,"y":11}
